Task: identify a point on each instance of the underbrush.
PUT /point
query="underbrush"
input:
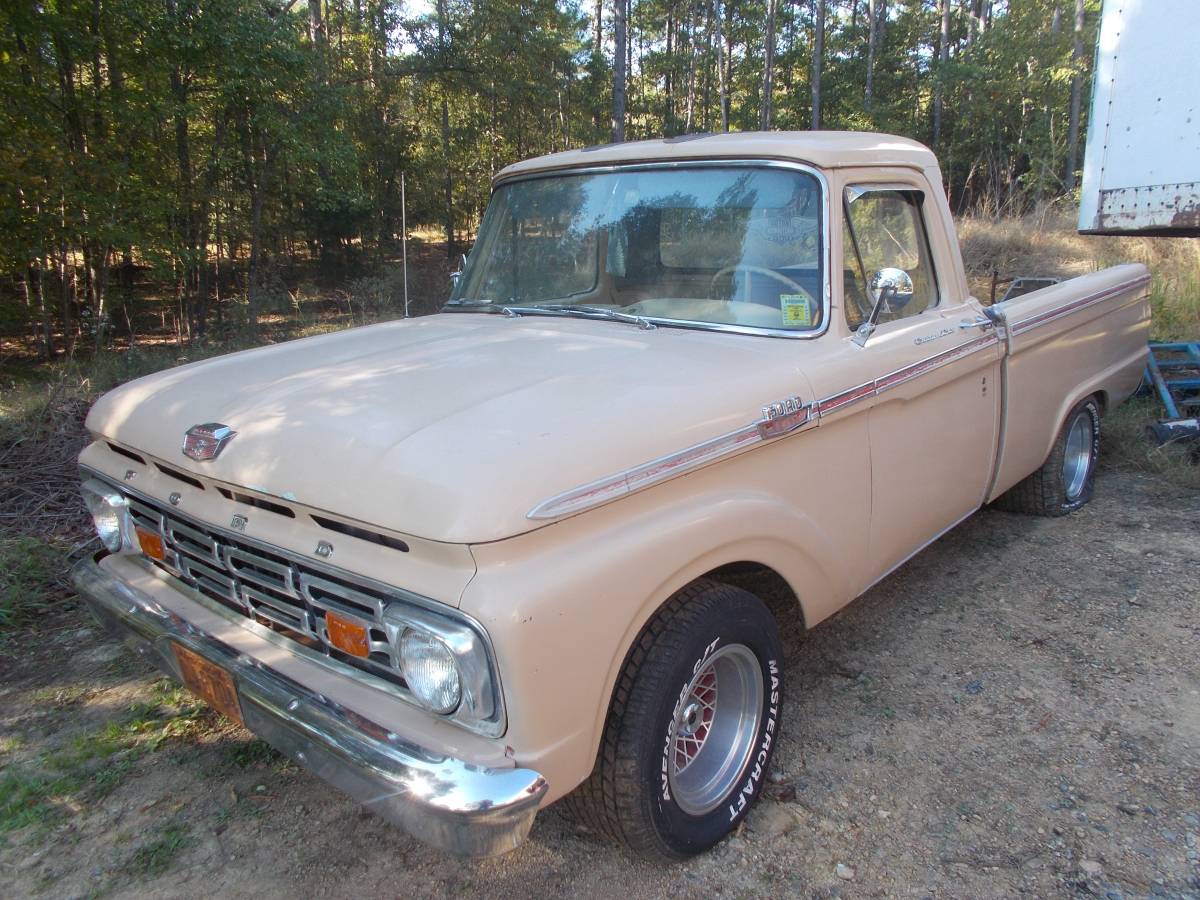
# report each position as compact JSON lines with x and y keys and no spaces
{"x":31,"y":578}
{"x":43,"y":523}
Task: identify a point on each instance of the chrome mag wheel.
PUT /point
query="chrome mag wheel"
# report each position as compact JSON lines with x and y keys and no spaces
{"x":1077,"y":458}
{"x":715,"y":728}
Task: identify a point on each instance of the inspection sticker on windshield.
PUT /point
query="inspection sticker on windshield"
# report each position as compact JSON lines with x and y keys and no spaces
{"x":797,"y":309}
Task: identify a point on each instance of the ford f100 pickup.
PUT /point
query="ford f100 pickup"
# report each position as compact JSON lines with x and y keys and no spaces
{"x":466,"y":565}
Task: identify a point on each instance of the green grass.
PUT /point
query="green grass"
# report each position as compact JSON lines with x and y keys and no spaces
{"x":11,"y":744}
{"x":154,"y":857}
{"x":29,"y":578}
{"x":253,"y":753}
{"x":32,"y":799}
{"x":91,"y":765}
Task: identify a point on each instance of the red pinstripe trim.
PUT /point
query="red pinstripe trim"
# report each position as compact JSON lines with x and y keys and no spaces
{"x":845,"y":398}
{"x":1081,"y":303}
{"x":898,"y":377}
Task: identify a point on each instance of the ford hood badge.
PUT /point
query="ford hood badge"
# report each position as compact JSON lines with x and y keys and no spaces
{"x":206,"y":441}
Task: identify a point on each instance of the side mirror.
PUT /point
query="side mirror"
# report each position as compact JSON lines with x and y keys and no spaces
{"x":889,"y":287}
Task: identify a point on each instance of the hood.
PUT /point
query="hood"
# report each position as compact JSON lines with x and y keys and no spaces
{"x":452,"y":427}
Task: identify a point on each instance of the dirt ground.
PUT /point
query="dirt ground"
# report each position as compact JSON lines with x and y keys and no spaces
{"x":1015,"y":712}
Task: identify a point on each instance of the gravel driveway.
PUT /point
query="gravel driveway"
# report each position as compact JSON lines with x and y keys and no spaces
{"x":1016,"y":711}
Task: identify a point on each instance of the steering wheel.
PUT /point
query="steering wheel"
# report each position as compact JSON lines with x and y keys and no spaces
{"x":757,"y":270}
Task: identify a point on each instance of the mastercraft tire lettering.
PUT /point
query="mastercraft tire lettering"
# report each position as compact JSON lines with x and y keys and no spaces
{"x":692,"y":728}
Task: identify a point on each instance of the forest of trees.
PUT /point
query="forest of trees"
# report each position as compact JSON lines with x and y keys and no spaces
{"x":203,"y":141}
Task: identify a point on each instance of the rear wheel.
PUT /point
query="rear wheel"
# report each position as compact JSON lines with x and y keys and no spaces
{"x":692,"y":726}
{"x":1064,"y":483}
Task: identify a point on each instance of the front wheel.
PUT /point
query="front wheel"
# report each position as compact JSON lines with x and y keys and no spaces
{"x":692,"y":727}
{"x":1065,"y":482}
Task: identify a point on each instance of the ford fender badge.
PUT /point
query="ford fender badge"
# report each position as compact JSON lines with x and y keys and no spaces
{"x":204,"y":442}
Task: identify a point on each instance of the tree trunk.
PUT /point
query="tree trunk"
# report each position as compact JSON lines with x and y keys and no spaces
{"x":818,"y":61}
{"x":690,"y":122}
{"x":258,"y":174}
{"x":1076,"y":98}
{"x":620,"y":55}
{"x":876,"y":22}
{"x":44,"y":311}
{"x":447,"y":176}
{"x":943,"y":56}
{"x":764,"y":113}
{"x":724,"y":45}
{"x":316,"y":27}
{"x":668,"y":122}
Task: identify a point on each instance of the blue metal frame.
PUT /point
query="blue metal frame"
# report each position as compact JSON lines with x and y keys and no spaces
{"x":1175,"y":393}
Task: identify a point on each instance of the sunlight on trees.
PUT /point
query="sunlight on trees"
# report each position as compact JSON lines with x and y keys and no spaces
{"x":202,"y":141}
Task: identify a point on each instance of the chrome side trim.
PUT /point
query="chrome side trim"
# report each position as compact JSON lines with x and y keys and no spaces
{"x":905,"y":374}
{"x":446,"y":802}
{"x":1074,"y":306}
{"x":710,"y":163}
{"x":656,"y":471}
{"x":628,"y":481}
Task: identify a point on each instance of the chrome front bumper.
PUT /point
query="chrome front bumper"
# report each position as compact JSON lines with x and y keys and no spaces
{"x":450,"y":804}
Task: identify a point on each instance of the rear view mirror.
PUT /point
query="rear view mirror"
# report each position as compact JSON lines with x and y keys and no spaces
{"x":898,"y":285}
{"x":890,"y":287}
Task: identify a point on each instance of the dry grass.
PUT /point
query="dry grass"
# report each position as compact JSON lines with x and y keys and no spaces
{"x":1126,"y":445}
{"x":1047,"y":244}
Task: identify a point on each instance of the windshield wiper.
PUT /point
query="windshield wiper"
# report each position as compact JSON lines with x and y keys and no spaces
{"x":587,"y":312}
{"x":469,"y":303}
{"x":513,"y":310}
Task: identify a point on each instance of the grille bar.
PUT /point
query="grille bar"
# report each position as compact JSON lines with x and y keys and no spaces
{"x":270,"y":588}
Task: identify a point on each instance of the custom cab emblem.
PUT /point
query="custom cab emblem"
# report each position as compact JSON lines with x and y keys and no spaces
{"x":203,"y":442}
{"x":926,"y":338}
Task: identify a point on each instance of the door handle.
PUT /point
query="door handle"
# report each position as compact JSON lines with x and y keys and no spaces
{"x":977,"y":322}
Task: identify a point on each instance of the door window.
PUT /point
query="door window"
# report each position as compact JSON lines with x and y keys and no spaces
{"x":884,"y":229}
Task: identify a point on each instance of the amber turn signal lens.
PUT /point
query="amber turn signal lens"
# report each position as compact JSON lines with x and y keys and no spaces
{"x":347,"y":635}
{"x":151,"y":543}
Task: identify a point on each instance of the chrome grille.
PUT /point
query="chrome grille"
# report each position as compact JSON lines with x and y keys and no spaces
{"x":268,"y":586}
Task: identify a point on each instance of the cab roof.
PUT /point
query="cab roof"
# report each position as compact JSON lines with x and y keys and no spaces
{"x":822,"y":149}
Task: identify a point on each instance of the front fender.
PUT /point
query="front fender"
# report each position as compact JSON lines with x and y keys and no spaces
{"x":564,"y":604}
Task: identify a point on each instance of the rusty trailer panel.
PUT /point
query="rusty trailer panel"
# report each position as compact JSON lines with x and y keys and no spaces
{"x":1166,"y":209}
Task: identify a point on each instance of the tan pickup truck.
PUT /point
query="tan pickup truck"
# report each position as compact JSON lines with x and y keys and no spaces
{"x":466,"y":565}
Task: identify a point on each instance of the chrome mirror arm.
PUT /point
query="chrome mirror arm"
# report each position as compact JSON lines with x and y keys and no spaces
{"x":867,"y":328}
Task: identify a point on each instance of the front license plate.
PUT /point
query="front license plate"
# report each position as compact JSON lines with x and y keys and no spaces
{"x":209,"y":682}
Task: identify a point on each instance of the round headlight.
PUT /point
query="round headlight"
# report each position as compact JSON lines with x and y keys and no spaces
{"x":109,"y":512}
{"x":430,"y":670}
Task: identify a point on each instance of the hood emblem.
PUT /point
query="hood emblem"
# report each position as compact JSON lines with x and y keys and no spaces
{"x":204,"y":442}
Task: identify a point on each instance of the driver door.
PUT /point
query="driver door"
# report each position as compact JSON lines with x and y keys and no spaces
{"x":932,"y":428}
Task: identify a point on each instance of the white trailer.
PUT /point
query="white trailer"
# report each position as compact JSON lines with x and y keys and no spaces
{"x":1141,"y":168}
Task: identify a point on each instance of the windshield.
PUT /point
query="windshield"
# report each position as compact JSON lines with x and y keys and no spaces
{"x":728,"y":245}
